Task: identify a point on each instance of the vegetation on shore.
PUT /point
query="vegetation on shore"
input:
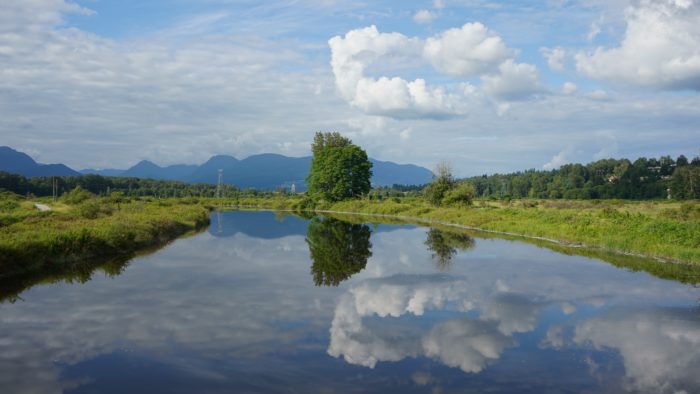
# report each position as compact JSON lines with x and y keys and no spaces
{"x":83,"y":227}
{"x":659,"y":229}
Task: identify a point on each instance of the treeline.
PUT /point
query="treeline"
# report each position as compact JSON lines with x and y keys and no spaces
{"x":101,"y":185}
{"x":610,"y":178}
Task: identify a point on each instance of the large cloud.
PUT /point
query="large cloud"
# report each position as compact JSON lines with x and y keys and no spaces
{"x":466,"y":343}
{"x":660,"y":48}
{"x":395,"y":97}
{"x":469,"y":51}
{"x":514,"y":81}
{"x":660,"y":347}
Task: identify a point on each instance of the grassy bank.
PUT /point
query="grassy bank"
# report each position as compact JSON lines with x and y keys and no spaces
{"x":658,"y":229}
{"x":92,"y":229}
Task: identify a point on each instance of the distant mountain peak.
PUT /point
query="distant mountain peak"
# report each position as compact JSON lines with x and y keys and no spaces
{"x":17,"y":162}
{"x":146,"y":163}
{"x":261,"y":171}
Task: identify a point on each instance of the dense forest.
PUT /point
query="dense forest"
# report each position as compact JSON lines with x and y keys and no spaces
{"x":610,"y":178}
{"x":101,"y":185}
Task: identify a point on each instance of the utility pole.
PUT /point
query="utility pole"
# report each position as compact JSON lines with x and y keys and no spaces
{"x":54,"y":189}
{"x":220,"y":185}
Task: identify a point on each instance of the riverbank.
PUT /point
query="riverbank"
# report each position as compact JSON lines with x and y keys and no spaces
{"x":667,"y":231}
{"x":99,"y":228}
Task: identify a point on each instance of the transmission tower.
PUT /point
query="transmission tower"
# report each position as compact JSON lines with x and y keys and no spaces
{"x":220,"y":185}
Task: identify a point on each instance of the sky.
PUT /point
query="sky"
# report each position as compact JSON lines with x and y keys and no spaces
{"x":487,"y":86}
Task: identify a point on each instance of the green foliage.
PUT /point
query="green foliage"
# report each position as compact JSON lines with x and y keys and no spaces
{"x":443,"y":182}
{"x":104,"y":186}
{"x":339,"y":169}
{"x":603,"y":179}
{"x":93,"y":208}
{"x":323,"y":141}
{"x":685,"y":183}
{"x":461,"y":195}
{"x":8,"y":205}
{"x":435,"y":192}
{"x":338,"y":250}
{"x":77,"y":195}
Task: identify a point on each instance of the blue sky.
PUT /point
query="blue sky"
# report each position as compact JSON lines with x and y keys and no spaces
{"x":488,"y":86}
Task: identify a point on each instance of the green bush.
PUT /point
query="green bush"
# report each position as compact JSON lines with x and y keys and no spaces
{"x":94,"y":208}
{"x":8,"y":205}
{"x":77,"y":195}
{"x":462,"y":195}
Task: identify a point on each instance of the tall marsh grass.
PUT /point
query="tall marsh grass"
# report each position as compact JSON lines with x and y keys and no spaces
{"x":88,"y":229}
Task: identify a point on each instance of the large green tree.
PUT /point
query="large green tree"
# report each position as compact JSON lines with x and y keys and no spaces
{"x":339,"y":169}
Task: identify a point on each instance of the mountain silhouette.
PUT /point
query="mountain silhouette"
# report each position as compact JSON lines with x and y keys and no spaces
{"x":266,"y":171}
{"x":16,"y":162}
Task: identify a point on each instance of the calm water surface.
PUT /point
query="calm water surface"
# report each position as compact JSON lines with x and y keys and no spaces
{"x":264,"y":303}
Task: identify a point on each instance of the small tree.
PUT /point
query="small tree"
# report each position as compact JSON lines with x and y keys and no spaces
{"x":442,"y":182}
{"x":339,"y":169}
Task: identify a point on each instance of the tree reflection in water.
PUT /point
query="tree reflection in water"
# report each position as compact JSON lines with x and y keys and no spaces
{"x":444,"y":245}
{"x":338,"y":249}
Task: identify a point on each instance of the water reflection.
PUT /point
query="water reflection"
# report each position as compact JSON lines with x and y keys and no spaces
{"x":444,"y":246}
{"x":238,"y":313}
{"x":338,"y":250}
{"x":263,"y":224}
{"x":461,"y":340}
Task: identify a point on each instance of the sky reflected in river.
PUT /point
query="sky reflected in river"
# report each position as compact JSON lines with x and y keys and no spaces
{"x":267,"y":303}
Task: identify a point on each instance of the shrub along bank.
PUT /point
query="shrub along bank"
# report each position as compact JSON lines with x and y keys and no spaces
{"x":83,"y":227}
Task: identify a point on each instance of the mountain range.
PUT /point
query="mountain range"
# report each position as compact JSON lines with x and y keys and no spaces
{"x":16,"y":162}
{"x":263,"y":171}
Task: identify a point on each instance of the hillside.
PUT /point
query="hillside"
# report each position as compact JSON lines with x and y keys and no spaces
{"x":16,"y":162}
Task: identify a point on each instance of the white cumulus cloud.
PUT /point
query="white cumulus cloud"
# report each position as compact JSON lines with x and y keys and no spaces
{"x":555,"y":57}
{"x":466,"y":51}
{"x":558,"y":160}
{"x":514,"y":81}
{"x":660,"y":48}
{"x":469,"y":51}
{"x":424,"y":16}
{"x":660,"y":347}
{"x":395,"y":97}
